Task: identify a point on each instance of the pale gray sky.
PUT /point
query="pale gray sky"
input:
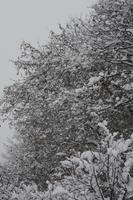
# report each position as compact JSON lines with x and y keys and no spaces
{"x":31,"y":21}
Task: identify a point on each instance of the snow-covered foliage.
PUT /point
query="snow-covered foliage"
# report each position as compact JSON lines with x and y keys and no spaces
{"x":25,"y":192}
{"x":104,"y":174}
{"x":91,"y":175}
{"x":82,"y":76}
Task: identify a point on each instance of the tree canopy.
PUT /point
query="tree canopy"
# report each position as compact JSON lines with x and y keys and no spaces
{"x":81,"y":77}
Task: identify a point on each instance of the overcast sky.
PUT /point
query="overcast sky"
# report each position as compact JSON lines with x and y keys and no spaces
{"x":31,"y":21}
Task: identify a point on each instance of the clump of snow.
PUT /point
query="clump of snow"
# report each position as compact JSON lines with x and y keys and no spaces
{"x":103,"y":126}
{"x":89,"y":156}
{"x":60,"y":154}
{"x":101,"y":74}
{"x":130,"y":30}
{"x":119,"y":147}
{"x":67,"y":164}
{"x":59,"y":190}
{"x":81,"y":89}
{"x":94,"y":80}
{"x":117,"y":98}
{"x":93,"y":114}
{"x":128,"y":86}
{"x":77,"y":161}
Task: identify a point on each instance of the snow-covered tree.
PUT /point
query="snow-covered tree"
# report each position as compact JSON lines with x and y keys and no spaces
{"x":83,"y":75}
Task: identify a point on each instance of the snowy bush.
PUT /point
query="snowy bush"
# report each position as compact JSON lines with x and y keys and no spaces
{"x":103,"y":174}
{"x":25,"y":192}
